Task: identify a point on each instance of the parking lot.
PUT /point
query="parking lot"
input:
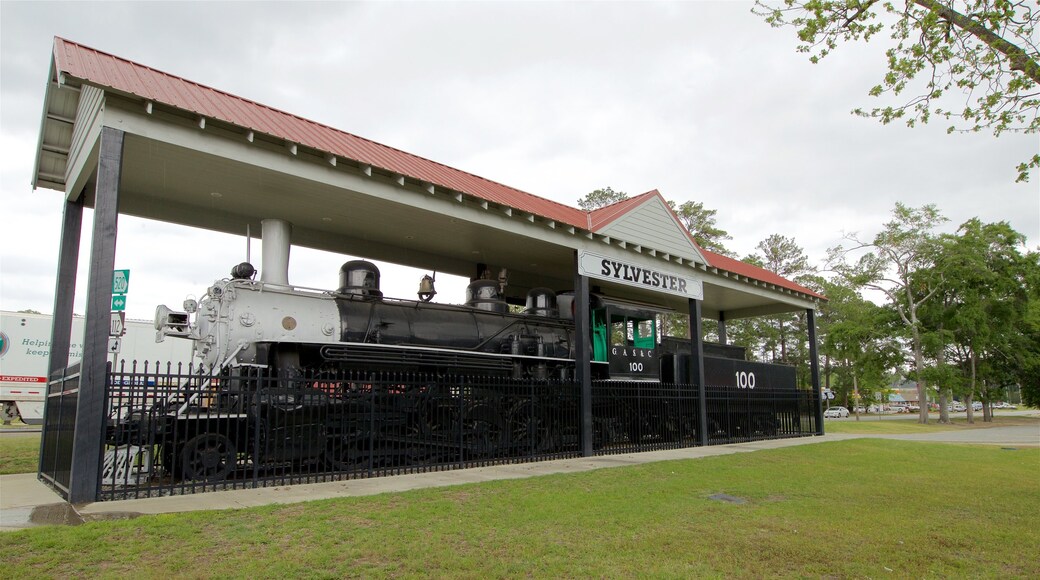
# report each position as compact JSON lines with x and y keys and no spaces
{"x":931,"y":415}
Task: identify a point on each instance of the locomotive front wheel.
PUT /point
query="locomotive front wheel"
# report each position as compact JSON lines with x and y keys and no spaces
{"x":208,"y":457}
{"x":484,"y":432}
{"x":346,"y":455}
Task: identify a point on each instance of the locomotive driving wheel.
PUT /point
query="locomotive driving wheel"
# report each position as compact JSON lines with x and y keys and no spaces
{"x":208,"y":457}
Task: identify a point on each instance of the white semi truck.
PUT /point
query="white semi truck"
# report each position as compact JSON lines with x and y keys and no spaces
{"x":25,"y":341}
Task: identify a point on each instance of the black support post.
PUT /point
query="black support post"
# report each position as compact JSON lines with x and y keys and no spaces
{"x":814,"y":367}
{"x":583,"y":355}
{"x":722,"y":328}
{"x":90,"y":410}
{"x":697,"y":370}
{"x":65,"y":286}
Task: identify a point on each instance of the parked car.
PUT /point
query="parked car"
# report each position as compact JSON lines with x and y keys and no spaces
{"x":861,"y":409}
{"x":976,"y":405}
{"x":958,"y":408}
{"x":836,"y":413}
{"x":913,"y":409}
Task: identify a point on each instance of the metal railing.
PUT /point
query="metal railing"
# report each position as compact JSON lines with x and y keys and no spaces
{"x":172,"y":430}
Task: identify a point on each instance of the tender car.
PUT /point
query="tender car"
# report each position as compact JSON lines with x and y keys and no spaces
{"x":836,"y":413}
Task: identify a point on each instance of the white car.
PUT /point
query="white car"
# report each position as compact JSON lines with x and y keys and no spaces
{"x":836,"y":413}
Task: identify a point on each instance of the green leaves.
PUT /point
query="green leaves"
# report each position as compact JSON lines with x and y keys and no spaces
{"x":985,"y":55}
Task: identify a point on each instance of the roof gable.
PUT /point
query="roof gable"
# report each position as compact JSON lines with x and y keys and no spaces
{"x":647,"y":218}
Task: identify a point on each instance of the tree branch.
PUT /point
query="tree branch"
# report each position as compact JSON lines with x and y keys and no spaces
{"x":1018,"y":57}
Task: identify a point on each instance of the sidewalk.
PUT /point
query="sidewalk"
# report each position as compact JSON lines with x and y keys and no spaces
{"x":25,"y":502}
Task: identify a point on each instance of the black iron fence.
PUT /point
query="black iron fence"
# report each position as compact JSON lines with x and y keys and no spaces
{"x":171,"y":430}
{"x":183,"y":433}
{"x":59,"y":431}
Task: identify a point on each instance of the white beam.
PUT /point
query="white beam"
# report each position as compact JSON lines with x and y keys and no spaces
{"x":202,"y":122}
{"x":291,"y":147}
{"x":399,"y":179}
{"x":250,"y":136}
{"x":331,"y":159}
{"x":508,"y":211}
{"x":483,"y":204}
{"x":148,"y":107}
{"x":366,"y":169}
{"x":458,"y":197}
{"x":430,"y":188}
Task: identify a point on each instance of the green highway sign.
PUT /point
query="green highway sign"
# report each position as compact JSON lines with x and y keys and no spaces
{"x":118,"y":303}
{"x":120,"y":281}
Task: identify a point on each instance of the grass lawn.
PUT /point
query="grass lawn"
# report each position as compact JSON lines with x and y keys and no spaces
{"x":19,"y":453}
{"x":857,"y":508}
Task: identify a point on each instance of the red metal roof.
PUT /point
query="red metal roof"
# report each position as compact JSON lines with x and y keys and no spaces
{"x":106,"y":70}
{"x":754,"y":272}
{"x":113,"y":72}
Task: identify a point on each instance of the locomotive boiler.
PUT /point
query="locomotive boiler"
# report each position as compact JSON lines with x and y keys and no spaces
{"x":267,"y":323}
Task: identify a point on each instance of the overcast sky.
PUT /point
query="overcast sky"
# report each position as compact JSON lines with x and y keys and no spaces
{"x":700,"y":100}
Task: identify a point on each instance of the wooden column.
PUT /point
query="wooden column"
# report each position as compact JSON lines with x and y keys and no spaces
{"x":697,"y":370}
{"x":583,"y":355}
{"x":814,"y":367}
{"x":90,"y":409}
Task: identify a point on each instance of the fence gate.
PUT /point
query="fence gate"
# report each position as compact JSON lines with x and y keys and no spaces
{"x":59,"y":429}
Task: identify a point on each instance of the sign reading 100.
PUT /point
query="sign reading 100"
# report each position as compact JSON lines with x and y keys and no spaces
{"x":745,"y":380}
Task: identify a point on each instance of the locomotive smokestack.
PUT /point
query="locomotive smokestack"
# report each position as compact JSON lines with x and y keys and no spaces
{"x":276,"y":238}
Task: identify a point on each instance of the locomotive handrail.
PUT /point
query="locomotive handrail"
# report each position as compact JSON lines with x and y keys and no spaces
{"x":205,"y":384}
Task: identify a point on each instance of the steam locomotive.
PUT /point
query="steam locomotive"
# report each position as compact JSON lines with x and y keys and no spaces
{"x":292,"y":374}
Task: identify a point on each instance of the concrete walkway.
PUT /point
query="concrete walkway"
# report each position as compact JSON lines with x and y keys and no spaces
{"x":25,"y":502}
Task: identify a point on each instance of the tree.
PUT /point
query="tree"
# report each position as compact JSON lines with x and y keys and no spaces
{"x":980,"y":316}
{"x":783,"y":256}
{"x":986,"y":50}
{"x":893,"y":258}
{"x":601,"y":198}
{"x":856,"y":335}
{"x":700,"y":222}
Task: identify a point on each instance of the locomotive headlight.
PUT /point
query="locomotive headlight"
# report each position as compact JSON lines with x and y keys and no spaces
{"x":191,"y":306}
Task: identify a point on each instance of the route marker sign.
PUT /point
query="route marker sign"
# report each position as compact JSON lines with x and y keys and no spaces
{"x":118,"y":324}
{"x":120,"y":281}
{"x":119,"y":303}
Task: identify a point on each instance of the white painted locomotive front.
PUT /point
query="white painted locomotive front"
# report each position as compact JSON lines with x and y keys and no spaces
{"x":235,"y":315}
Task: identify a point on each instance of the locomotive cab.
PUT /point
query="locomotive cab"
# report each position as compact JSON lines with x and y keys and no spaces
{"x":625,"y":338}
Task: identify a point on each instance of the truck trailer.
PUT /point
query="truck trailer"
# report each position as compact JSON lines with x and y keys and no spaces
{"x":25,"y":347}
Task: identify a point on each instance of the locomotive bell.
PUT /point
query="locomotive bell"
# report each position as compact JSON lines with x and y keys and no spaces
{"x":426,"y":289}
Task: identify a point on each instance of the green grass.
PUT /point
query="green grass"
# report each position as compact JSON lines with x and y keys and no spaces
{"x":19,"y":453}
{"x":858,"y":508}
{"x":874,"y":426}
